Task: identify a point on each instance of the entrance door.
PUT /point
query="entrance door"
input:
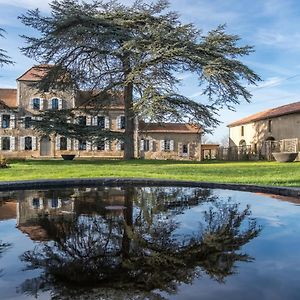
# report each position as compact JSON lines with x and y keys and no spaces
{"x":45,"y":149}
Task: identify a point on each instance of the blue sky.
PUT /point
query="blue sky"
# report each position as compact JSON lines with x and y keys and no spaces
{"x":271,"y":26}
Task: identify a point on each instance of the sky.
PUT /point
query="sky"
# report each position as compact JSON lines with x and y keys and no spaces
{"x":271,"y":26}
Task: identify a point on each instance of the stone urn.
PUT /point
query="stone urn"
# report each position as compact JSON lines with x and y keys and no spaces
{"x":68,"y":156}
{"x":285,"y":156}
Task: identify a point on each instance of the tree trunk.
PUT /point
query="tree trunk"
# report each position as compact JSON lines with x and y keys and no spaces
{"x":129,"y":114}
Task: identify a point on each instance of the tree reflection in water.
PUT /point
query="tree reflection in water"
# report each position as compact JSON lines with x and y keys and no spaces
{"x":141,"y":249}
{"x":3,"y":247}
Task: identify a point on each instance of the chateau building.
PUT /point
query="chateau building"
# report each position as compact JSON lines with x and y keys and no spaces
{"x":276,"y":124}
{"x":18,"y":107}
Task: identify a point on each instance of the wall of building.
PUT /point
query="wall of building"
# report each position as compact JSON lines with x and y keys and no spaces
{"x":283,"y":127}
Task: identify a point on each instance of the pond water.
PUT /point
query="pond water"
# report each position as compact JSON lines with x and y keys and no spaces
{"x":148,"y":243}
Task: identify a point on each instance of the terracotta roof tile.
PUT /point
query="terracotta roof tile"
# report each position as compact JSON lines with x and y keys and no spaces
{"x":169,"y":127}
{"x":270,"y":113}
{"x":8,"y":97}
{"x":36,"y":73}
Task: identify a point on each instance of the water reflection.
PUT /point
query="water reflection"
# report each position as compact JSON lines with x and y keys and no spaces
{"x":129,"y":241}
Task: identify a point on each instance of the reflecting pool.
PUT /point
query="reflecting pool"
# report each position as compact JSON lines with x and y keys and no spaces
{"x":148,"y":243}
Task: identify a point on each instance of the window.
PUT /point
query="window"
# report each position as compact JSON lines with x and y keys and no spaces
{"x":185,"y":149}
{"x":36,"y":203}
{"x":101,"y":146}
{"x":122,"y":122}
{"x":54,"y":104}
{"x":270,"y":126}
{"x":81,"y":145}
{"x":63,"y":143}
{"x":167,"y":145}
{"x":242,"y":131}
{"x":27,"y":122}
{"x":145,"y":145}
{"x":5,"y":121}
{"x":28,"y":143}
{"x":101,"y":122}
{"x":122,"y":146}
{"x":36,"y":104}
{"x":82,"y":120}
{"x":54,"y":203}
{"x":5,"y":143}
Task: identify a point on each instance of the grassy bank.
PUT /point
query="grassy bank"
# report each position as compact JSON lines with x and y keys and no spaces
{"x":264,"y":173}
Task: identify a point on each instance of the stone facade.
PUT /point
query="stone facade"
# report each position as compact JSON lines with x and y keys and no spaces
{"x":19,"y":140}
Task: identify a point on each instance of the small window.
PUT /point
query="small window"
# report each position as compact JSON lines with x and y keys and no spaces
{"x":167,"y":145}
{"x":27,"y":122}
{"x":36,"y":203}
{"x":242,"y":131}
{"x":54,"y":203}
{"x":63,"y":143}
{"x":36,"y":104}
{"x":101,"y":122}
{"x":185,"y":149}
{"x":101,"y":146}
{"x":146,"y":145}
{"x":54,"y":104}
{"x":82,"y":120}
{"x":5,"y":143}
{"x":122,"y":122}
{"x":270,"y":126}
{"x":28,"y":143}
{"x":82,"y":145}
{"x":5,"y":121}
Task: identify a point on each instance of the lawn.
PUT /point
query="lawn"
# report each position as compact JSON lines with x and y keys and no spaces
{"x":264,"y":173}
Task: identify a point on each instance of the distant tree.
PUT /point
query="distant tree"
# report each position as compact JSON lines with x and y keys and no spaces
{"x":4,"y":58}
{"x":138,"y":50}
{"x":225,"y":141}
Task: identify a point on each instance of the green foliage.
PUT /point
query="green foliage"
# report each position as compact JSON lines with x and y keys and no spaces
{"x":4,"y":58}
{"x":139,"y":50}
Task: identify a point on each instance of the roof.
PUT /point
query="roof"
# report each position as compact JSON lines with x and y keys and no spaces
{"x":8,"y":97}
{"x":96,"y":99}
{"x":35,"y":73}
{"x":270,"y":113}
{"x":169,"y":127}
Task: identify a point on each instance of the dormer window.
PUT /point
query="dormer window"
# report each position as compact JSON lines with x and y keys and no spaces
{"x":54,"y":104}
{"x":36,"y":104}
{"x":82,"y":120}
{"x":5,"y":121}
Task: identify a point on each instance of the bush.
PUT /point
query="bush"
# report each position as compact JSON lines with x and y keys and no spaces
{"x":3,"y":162}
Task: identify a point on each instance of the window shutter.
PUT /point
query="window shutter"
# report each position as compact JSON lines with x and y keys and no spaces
{"x":22,"y":143}
{"x":106,"y":122}
{"x":118,"y":146}
{"x":119,"y":122}
{"x":88,"y":146}
{"x":94,"y":121}
{"x":94,"y":146}
{"x":151,"y":145}
{"x":142,"y":145}
{"x":60,"y":103}
{"x":162,"y":145}
{"x":171,"y":145}
{"x":76,"y":144}
{"x":69,"y":144}
{"x":41,"y":104}
{"x":58,"y":142}
{"x":107,"y":146}
{"x":88,"y":120}
{"x":34,"y":143}
{"x":12,"y":121}
{"x":50,"y":104}
{"x":12,"y":143}
{"x":180,"y":149}
{"x":31,"y":104}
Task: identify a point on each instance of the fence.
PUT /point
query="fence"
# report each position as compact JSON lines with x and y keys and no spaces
{"x":253,"y":152}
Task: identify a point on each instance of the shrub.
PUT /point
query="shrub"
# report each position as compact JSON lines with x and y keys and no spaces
{"x":3,"y":162}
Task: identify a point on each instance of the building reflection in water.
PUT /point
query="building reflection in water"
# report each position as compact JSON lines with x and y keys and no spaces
{"x":129,"y":241}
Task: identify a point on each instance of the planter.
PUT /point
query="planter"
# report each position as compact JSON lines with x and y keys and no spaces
{"x":68,"y":156}
{"x":285,"y":156}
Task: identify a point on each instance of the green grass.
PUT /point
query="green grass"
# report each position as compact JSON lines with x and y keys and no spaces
{"x":264,"y":173}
